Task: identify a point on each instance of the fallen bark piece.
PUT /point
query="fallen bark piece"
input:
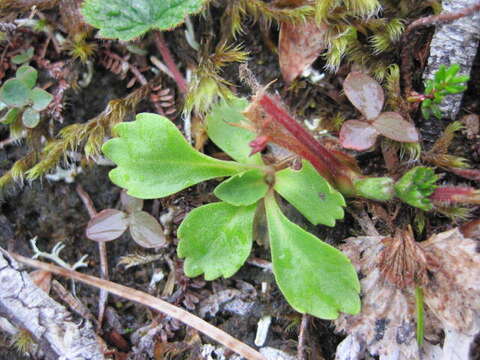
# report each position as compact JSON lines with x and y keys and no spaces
{"x":30,"y":308}
{"x":454,"y":43}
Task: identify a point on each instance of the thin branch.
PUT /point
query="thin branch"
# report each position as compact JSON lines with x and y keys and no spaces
{"x":301,"y":355}
{"x":168,"y":59}
{"x":152,"y":302}
{"x":102,"y":250}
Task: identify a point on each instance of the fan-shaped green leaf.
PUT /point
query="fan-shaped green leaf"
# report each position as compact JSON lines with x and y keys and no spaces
{"x":14,"y":93}
{"x":40,"y":99}
{"x":230,"y":138}
{"x":30,"y":118}
{"x":314,"y":277}
{"x":243,"y":189}
{"x":126,"y":19}
{"x":311,"y":194}
{"x":216,"y":239}
{"x":28,"y":75}
{"x":154,"y":159}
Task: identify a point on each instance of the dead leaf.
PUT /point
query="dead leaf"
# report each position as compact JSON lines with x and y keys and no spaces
{"x":299,"y":45}
{"x":386,"y":325}
{"x":43,"y":279}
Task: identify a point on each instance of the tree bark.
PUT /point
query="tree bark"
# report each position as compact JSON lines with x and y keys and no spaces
{"x":50,"y":324}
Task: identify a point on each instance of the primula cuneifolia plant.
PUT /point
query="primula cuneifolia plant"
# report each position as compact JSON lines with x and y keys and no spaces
{"x":154,"y":160}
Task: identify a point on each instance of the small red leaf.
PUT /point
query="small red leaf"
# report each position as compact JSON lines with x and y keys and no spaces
{"x":146,"y":231}
{"x":107,"y":225}
{"x":130,"y":203}
{"x":393,"y":126}
{"x":298,"y":47}
{"x":364,"y":93}
{"x":357,"y":135}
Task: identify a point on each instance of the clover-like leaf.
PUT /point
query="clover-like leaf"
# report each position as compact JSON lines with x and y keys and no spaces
{"x":40,"y":99}
{"x":311,"y":194}
{"x":219,"y":247}
{"x":357,"y":135}
{"x":415,"y":187}
{"x":154,"y":159}
{"x":231,"y":138}
{"x":393,"y":126}
{"x":30,"y":118}
{"x":243,"y":189}
{"x":364,"y":93}
{"x":107,"y":225}
{"x":314,"y":277}
{"x":126,"y":19}
{"x":28,"y":75}
{"x":145,"y":230}
{"x":14,"y":93}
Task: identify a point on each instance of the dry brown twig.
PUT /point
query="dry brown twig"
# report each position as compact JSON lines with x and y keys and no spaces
{"x":102,"y":250}
{"x":152,"y":302}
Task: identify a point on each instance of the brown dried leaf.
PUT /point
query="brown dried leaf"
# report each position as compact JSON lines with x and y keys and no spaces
{"x":472,"y":125}
{"x":357,"y":135}
{"x":393,"y":126}
{"x":43,"y":279}
{"x":298,"y":47}
{"x":107,"y":225}
{"x":386,"y":325}
{"x":453,"y":289}
{"x":364,"y":93}
{"x":146,"y":231}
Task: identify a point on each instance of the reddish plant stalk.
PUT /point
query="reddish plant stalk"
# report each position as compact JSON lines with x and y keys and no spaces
{"x":322,"y":155}
{"x":168,"y":59}
{"x":456,"y":194}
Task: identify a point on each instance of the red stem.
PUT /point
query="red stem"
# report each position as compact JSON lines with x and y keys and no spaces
{"x":168,"y":59}
{"x":322,"y":155}
{"x":455,"y":194}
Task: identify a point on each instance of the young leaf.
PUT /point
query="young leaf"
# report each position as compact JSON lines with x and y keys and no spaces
{"x":393,"y":126}
{"x":357,"y":135}
{"x":30,"y":118}
{"x":216,"y":248}
{"x":126,"y":19}
{"x":311,"y":194}
{"x":364,"y":93}
{"x":145,"y":230}
{"x":314,"y":277}
{"x":243,"y":189}
{"x":154,"y":160}
{"x":28,"y":75}
{"x":232,"y":139}
{"x":130,"y":203}
{"x":40,"y":99}
{"x":14,"y":93}
{"x":23,"y":57}
{"x":375,"y":188}
{"x":415,"y":187}
{"x":107,"y":225}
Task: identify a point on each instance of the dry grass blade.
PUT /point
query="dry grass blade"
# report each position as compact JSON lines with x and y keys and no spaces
{"x":152,"y":302}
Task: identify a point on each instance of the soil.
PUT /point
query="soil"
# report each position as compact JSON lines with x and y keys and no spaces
{"x":52,"y":212}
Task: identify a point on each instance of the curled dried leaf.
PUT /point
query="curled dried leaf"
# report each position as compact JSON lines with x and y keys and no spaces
{"x":298,"y":47}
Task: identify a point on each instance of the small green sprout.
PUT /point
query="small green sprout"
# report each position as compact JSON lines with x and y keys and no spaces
{"x":154,"y":160}
{"x":445,"y":82}
{"x":415,"y":187}
{"x":20,"y":99}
